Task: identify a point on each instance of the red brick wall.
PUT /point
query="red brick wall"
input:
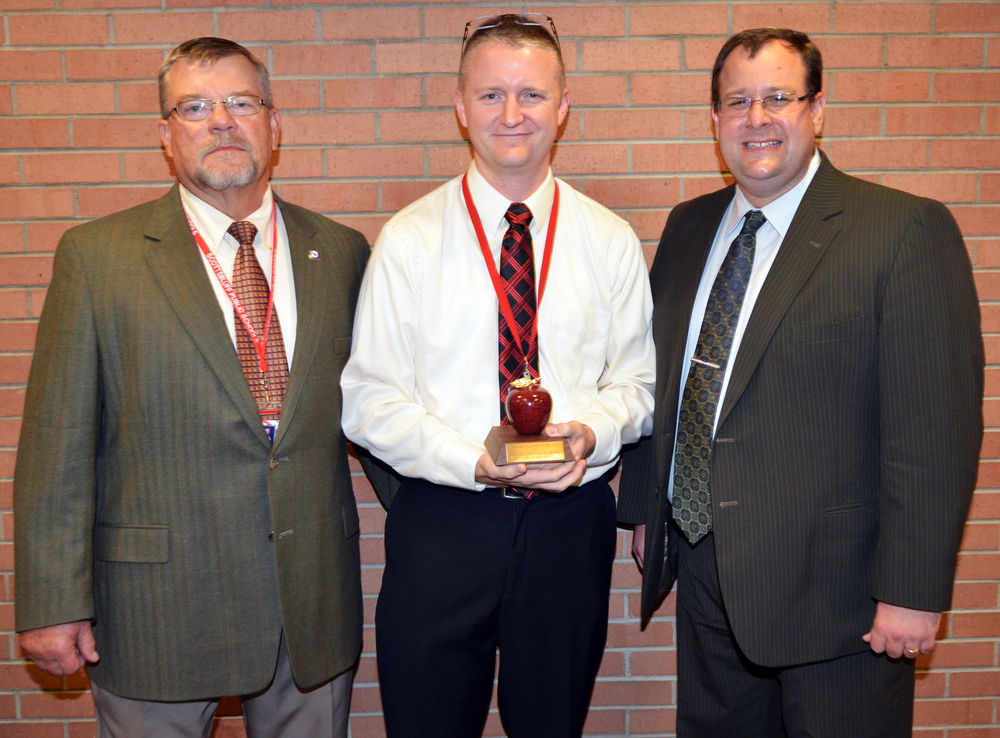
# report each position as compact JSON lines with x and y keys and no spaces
{"x":368,"y":127}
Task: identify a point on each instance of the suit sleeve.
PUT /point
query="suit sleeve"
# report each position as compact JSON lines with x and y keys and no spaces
{"x":55,"y":474}
{"x":930,"y":375}
{"x":636,"y":483}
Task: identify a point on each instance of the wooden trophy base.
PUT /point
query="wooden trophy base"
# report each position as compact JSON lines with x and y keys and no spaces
{"x":506,"y":446}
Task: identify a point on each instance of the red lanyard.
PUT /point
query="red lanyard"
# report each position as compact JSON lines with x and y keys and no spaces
{"x":484,"y":246}
{"x":259,"y":345}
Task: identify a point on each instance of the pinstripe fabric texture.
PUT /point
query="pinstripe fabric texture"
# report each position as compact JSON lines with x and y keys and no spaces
{"x":149,"y":488}
{"x":847,"y":442}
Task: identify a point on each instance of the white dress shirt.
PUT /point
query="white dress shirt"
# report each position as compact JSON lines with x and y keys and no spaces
{"x":779,"y":214}
{"x":213,"y":226}
{"x":421,"y":389}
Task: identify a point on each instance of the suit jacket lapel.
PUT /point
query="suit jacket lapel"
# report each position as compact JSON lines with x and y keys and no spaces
{"x":812,"y":230}
{"x":311,"y":293}
{"x":176,"y":264}
{"x":676,"y":279}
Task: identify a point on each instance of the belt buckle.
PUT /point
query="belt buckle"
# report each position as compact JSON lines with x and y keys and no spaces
{"x":509,"y":493}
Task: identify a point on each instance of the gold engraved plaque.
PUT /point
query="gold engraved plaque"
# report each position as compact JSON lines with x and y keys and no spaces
{"x":506,"y":446}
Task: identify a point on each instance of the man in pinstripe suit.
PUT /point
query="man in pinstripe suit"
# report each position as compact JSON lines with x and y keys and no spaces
{"x":185,"y":538}
{"x":841,"y":454}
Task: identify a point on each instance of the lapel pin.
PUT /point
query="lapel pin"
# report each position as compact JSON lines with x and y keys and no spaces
{"x":313,"y":255}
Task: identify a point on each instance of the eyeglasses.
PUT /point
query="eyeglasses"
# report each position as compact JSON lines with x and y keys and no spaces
{"x":241,"y":105}
{"x":739,"y":107}
{"x":484,"y":22}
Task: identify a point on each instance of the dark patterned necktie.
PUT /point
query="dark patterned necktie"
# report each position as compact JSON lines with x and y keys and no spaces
{"x":693,"y":451}
{"x":252,"y":289}
{"x":517,"y":272}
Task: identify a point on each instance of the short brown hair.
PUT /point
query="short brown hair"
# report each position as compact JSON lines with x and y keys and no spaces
{"x":513,"y":30}
{"x":210,"y":49}
{"x":753,"y":39}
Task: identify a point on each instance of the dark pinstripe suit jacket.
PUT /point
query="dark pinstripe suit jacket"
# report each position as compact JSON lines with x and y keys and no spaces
{"x":145,"y":488}
{"x":847,"y":443}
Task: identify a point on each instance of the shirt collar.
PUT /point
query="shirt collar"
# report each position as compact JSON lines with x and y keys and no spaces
{"x":492,"y":205}
{"x":213,"y":224}
{"x":779,"y":212}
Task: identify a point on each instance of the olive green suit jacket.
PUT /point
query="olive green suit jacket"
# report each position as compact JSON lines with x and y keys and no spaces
{"x":147,"y":496}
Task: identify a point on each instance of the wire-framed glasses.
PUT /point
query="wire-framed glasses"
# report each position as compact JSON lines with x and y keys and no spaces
{"x":739,"y":107}
{"x":199,"y":109}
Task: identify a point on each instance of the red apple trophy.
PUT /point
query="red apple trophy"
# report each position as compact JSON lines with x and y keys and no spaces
{"x":528,"y":408}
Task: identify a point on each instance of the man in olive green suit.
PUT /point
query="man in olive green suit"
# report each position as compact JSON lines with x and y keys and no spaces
{"x":184,"y":537}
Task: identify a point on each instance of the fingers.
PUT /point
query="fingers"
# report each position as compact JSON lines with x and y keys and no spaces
{"x":68,"y":664}
{"x":58,"y":663}
{"x":87,"y":646}
{"x":492,"y":475}
{"x":60,"y":649}
{"x":580,"y":436}
{"x":901,"y":632}
{"x":551,"y":478}
{"x":548,"y":477}
{"x":501,"y":475}
{"x":555,"y":479}
{"x":879,"y":643}
{"x":912,"y":650}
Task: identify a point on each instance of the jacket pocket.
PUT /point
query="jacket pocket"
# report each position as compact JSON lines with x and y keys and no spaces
{"x":862,"y":507}
{"x":141,"y":544}
{"x":839,"y":331}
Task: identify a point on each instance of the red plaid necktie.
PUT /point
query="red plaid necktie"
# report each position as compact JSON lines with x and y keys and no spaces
{"x":252,"y":289}
{"x":517,"y":272}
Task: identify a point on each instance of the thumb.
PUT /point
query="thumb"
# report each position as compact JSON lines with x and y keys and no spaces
{"x":86,"y":644}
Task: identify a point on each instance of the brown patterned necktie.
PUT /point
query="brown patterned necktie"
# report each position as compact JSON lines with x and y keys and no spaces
{"x":251,"y":287}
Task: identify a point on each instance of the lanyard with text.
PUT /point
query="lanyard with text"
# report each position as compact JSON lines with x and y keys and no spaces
{"x":259,"y":344}
{"x":484,"y":246}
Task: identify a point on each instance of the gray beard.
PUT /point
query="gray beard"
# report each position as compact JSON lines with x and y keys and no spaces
{"x":214,"y":180}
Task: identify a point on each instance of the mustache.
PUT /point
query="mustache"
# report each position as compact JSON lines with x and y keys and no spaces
{"x":228,"y":140}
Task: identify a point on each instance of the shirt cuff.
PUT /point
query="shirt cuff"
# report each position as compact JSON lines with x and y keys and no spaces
{"x":607,"y":439}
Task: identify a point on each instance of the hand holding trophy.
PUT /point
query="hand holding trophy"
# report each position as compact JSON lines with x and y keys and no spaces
{"x":528,"y":408}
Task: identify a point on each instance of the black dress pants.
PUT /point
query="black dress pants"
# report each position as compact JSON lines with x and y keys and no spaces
{"x":721,"y":694}
{"x":467,"y":572}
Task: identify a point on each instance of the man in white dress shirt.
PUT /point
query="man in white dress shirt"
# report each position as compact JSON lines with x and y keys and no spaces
{"x":481,"y":554}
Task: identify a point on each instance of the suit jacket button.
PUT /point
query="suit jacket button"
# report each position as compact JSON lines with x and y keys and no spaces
{"x":270,"y":536}
{"x":273,"y":463}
